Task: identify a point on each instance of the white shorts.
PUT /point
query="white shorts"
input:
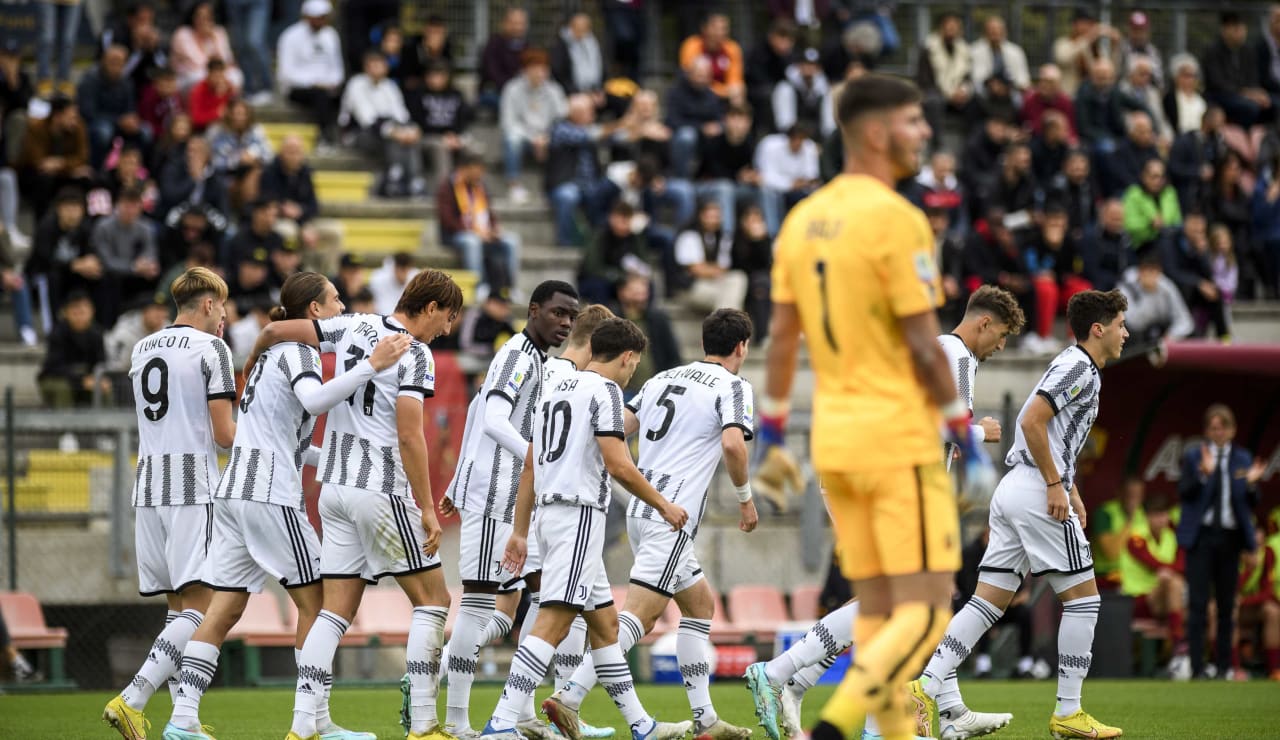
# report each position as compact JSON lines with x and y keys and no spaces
{"x":482,"y":544}
{"x":171,"y":543}
{"x":253,"y":540}
{"x":370,"y":535}
{"x":572,"y":540}
{"x":665,"y":561}
{"x":1024,"y":538}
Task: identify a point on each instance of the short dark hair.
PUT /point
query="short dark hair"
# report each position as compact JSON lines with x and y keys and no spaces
{"x":76,"y":296}
{"x":467,"y":158}
{"x":874,"y":93}
{"x":373,"y":54}
{"x":427,"y":287}
{"x":615,"y":336}
{"x":215,"y":64}
{"x":1089,"y":307}
{"x":1231,"y":18}
{"x":724,"y":330}
{"x":1000,"y":304}
{"x":622,"y":208}
{"x":402,"y":259}
{"x":131,"y":193}
{"x":548,"y":288}
{"x":1222,"y":412}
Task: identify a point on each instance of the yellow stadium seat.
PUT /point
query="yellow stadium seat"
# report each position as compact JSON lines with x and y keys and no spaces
{"x":340,"y":186}
{"x":381,"y":235}
{"x":277,"y":131}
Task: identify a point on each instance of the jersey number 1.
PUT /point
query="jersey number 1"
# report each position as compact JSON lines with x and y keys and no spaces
{"x":826,"y":305}
{"x":354,"y":356}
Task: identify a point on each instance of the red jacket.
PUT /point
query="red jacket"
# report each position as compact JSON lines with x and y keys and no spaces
{"x":155,"y":110}
{"x":205,"y":105}
{"x":1034,"y":107}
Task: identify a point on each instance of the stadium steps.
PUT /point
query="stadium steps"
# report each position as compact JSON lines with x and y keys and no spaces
{"x":343,"y":186}
{"x":276,"y":133}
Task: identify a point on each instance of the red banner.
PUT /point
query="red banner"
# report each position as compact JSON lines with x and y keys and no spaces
{"x":1150,"y":415}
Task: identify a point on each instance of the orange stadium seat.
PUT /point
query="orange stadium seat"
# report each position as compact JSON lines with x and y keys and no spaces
{"x":804,"y":603}
{"x":757,"y":609}
{"x":385,"y":614}
{"x":24,"y":618}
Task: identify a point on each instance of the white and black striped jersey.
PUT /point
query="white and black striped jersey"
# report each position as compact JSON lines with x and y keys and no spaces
{"x":568,"y":466}
{"x":273,"y":430}
{"x":488,"y":474}
{"x":556,"y":368}
{"x":682,"y":413}
{"x":175,"y":373}
{"x":964,"y":371}
{"x":1072,"y":386}
{"x":361,"y":445}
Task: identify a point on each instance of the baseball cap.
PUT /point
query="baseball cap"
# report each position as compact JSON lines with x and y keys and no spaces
{"x":351,"y":260}
{"x":316,"y":8}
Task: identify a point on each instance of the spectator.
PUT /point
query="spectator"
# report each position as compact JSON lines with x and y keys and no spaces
{"x":256,"y":232}
{"x":160,"y":102}
{"x":75,"y":350}
{"x":753,"y":257}
{"x":704,"y":258}
{"x":374,"y":106}
{"x":249,"y":21}
{"x":1218,"y":489}
{"x":1259,"y":606}
{"x":172,"y":142}
{"x":484,"y":328}
{"x":1269,"y":53}
{"x":431,"y":49}
{"x":949,"y":247}
{"x":642,"y":132}
{"x":469,"y":227}
{"x":1231,"y":205}
{"x":937,"y":188}
{"x":388,"y":281}
{"x":127,"y":172}
{"x":1047,"y":95}
{"x":1078,"y":51}
{"x":788,"y":167}
{"x":1055,"y":264}
{"x":1108,"y":250}
{"x":1222,"y":260}
{"x":363,"y":24}
{"x":1100,"y":110}
{"x":145,"y":317}
{"x":992,"y":257}
{"x":996,"y":99}
{"x":1184,"y":107}
{"x":694,"y":112}
{"x":1150,"y":206}
{"x":626,"y":27}
{"x":1073,"y":187}
{"x":980,"y":163}
{"x":1137,"y":46}
{"x":1189,"y":263}
{"x":617,"y":251}
{"x":287,"y":181}
{"x":186,"y":227}
{"x":199,"y":41}
{"x":1110,"y":527}
{"x":61,"y":259}
{"x":15,"y":95}
{"x":1152,"y":570}
{"x":634,"y":304}
{"x":351,"y":280}
{"x":12,"y":282}
{"x":727,"y":170}
{"x":944,"y":70}
{"x":55,"y":153}
{"x":125,"y":245}
{"x":240,"y":152}
{"x":242,"y":333}
{"x":148,"y":51}
{"x":192,"y":180}
{"x":766,"y":66}
{"x":996,"y":54}
{"x":577,"y":63}
{"x":798,"y":98}
{"x":286,"y":261}
{"x":58,"y":22}
{"x":438,"y":108}
{"x":574,"y":179}
{"x":503,"y":56}
{"x":249,"y":284}
{"x":1156,"y":311}
{"x":199,"y":254}
{"x":1266,"y":225}
{"x":641,"y":154}
{"x":1192,"y":158}
{"x":1140,"y":86}
{"x":1049,"y":148}
{"x":1232,"y":78}
{"x":723,"y":53}
{"x":108,"y":104}
{"x":209,"y":97}
{"x":1015,"y":190}
{"x":530,"y":105}
{"x":309,"y":67}
{"x":1124,"y":166}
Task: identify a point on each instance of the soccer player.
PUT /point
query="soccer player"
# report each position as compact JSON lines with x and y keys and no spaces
{"x":376,"y":508}
{"x":578,"y":445}
{"x":689,"y":416}
{"x":1037,"y":525}
{"x":854,"y":272}
{"x":260,"y":528}
{"x":183,"y":388}
{"x":483,"y":490}
{"x":992,"y":315}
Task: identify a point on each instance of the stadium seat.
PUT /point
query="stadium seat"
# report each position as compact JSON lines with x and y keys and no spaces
{"x":276,"y":132}
{"x":342,"y":186}
{"x":722,"y":629}
{"x":24,"y":618}
{"x":757,"y":609}
{"x":804,"y":603}
{"x":381,"y":235}
{"x":384,"y":615}
{"x":262,"y":626}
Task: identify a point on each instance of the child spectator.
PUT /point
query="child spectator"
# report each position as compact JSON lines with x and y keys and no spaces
{"x":207,"y":101}
{"x":75,"y":350}
{"x":1223,"y":261}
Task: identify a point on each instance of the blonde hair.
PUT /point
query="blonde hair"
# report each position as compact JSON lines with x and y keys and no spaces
{"x":194,"y":284}
{"x":1222,"y":231}
{"x":588,"y":319}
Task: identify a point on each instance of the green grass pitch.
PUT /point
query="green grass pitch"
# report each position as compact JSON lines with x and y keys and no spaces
{"x":1145,"y":709}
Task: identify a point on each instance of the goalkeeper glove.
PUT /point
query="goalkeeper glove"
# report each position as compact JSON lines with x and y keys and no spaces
{"x":978,"y":476}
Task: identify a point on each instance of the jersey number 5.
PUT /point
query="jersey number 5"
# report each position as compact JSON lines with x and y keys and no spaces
{"x":354,"y":356}
{"x":668,"y":403}
{"x":158,"y":399}
{"x":555,"y":430}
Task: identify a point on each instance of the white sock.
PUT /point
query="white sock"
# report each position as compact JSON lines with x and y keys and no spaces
{"x":575,"y":690}
{"x":832,"y":635}
{"x":163,"y":659}
{"x":315,"y":669}
{"x":173,"y":681}
{"x":422,"y":663}
{"x":692,"y":639}
{"x":615,"y":676}
{"x":499,"y":627}
{"x":966,"y":628}
{"x":199,"y":663}
{"x":324,"y":723}
{"x":1075,"y":650}
{"x":807,"y":677}
{"x":570,"y":651}
{"x":475,"y":614}
{"x":530,"y":615}
{"x":528,"y":667}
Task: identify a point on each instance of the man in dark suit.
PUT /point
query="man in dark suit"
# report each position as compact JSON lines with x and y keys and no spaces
{"x":1218,"y":489}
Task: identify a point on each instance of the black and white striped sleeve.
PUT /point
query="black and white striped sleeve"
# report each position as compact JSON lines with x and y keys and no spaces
{"x":220,"y":379}
{"x":736,"y":408}
{"x":508,"y":374}
{"x":300,"y":361}
{"x":330,"y":331}
{"x":416,"y":372}
{"x":606,"y":412}
{"x":1063,"y":382}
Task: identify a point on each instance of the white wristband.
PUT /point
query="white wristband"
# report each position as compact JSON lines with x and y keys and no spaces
{"x":775,"y":407}
{"x":955,"y":409}
{"x":744,"y":492}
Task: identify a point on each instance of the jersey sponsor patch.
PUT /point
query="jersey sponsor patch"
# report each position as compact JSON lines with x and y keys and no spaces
{"x":1068,"y":395}
{"x":927,"y":271}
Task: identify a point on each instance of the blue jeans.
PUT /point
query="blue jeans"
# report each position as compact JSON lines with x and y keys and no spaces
{"x":248,"y":22}
{"x":471,"y":251}
{"x":22,"y":307}
{"x":684,"y":150}
{"x":52,"y":32}
{"x":776,"y":203}
{"x":728,"y":193}
{"x":593,"y":196}
{"x":678,"y":195}
{"x":514,"y":149}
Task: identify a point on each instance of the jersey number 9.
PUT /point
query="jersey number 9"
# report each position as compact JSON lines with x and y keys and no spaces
{"x":158,"y":399}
